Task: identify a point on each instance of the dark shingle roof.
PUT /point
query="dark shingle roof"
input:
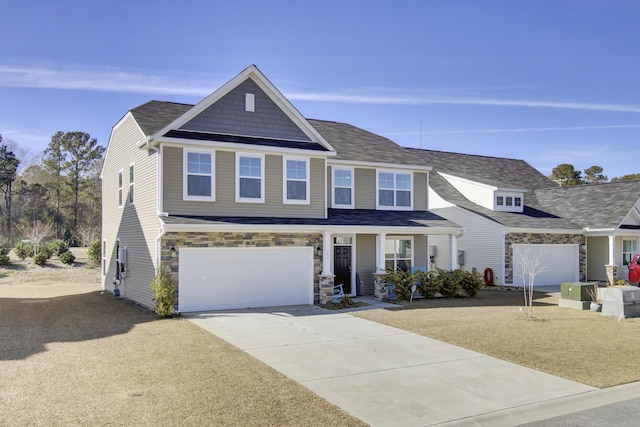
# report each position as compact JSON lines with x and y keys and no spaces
{"x":346,"y":217}
{"x":154,"y":115}
{"x":355,"y":144}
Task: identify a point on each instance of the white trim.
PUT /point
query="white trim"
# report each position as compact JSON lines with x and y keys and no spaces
{"x":132,"y":183}
{"x":482,"y":184}
{"x":286,"y":200}
{"x":333,"y":188}
{"x":185,"y":175}
{"x":250,"y":102}
{"x":120,"y":188}
{"x":395,"y":207}
{"x":232,"y":146}
{"x":113,"y":129}
{"x":240,"y":199}
{"x":376,"y":165}
{"x":546,"y":230}
{"x":105,"y":267}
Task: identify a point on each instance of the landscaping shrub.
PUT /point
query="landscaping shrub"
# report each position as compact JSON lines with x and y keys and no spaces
{"x":4,"y":259}
{"x":4,"y":251}
{"x":470,"y":282}
{"x":24,"y":250}
{"x":94,"y":253}
{"x":67,"y":258}
{"x":428,"y":284}
{"x":163,"y":288}
{"x":44,"y":249}
{"x":402,"y":282}
{"x":41,"y":258}
{"x":448,"y":283}
{"x":57,"y":247}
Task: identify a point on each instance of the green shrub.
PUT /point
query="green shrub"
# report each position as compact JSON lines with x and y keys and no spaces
{"x":470,"y":282}
{"x":448,"y":283}
{"x":4,"y":251}
{"x":57,"y":247}
{"x":94,"y":253}
{"x":41,"y":258}
{"x":402,"y":282}
{"x":4,"y":259}
{"x":23,"y":250}
{"x":67,"y":258}
{"x":44,"y":249}
{"x":163,"y":288}
{"x":428,"y":283}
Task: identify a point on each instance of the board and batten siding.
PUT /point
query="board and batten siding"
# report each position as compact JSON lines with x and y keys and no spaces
{"x":135,"y":225}
{"x":225,"y":182}
{"x":366,"y":261}
{"x":477,"y":193}
{"x":482,"y":242}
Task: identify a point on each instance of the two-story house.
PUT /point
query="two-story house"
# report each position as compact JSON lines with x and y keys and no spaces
{"x":248,"y":203}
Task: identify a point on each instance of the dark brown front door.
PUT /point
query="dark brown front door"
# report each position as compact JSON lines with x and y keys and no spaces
{"x":342,"y":267}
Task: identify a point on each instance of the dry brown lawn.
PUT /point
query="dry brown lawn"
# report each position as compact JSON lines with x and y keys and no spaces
{"x":579,"y":345}
{"x":70,"y":355}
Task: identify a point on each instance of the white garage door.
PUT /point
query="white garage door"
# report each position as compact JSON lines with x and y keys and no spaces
{"x":226,"y":278}
{"x":558,"y":263}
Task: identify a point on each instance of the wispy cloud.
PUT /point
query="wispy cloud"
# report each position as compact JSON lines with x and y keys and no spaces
{"x":190,"y":84}
{"x":525,"y":130}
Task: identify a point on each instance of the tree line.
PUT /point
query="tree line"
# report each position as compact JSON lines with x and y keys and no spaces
{"x":56,"y":193}
{"x":566,"y":174}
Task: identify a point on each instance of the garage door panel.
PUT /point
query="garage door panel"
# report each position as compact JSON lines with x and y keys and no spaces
{"x":226,"y":278}
{"x":560,"y":263}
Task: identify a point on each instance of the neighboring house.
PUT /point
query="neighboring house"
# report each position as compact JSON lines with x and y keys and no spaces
{"x":509,"y":210}
{"x":250,"y":204}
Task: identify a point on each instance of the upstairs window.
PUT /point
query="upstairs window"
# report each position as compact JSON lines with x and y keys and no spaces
{"x":342,"y":188}
{"x":131,"y":184}
{"x":120,"y":188}
{"x":394,"y":190}
{"x":249,"y":178}
{"x":296,"y":180}
{"x":508,"y":201}
{"x":198,"y":175}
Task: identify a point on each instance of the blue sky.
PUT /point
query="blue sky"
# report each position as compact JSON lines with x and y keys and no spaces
{"x":549,"y":82}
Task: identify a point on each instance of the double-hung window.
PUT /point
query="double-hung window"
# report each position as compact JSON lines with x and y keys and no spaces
{"x":398,"y":253}
{"x":120,"y":189}
{"x":296,"y":180}
{"x":395,"y":190}
{"x":342,"y":188}
{"x":131,"y":184}
{"x":629,"y":249}
{"x":249,"y":178}
{"x":198,"y":176}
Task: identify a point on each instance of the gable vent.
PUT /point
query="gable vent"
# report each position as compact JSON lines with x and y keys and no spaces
{"x":250,"y":102}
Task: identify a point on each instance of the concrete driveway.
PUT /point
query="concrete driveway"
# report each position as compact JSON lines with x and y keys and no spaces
{"x":386,"y":376}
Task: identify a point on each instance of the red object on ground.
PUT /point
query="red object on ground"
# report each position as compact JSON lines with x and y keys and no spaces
{"x":634,"y":270}
{"x":488,"y":276}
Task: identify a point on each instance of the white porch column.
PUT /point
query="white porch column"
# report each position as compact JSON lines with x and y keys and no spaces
{"x":326,"y":253}
{"x":612,"y":251}
{"x":381,"y":242}
{"x":453,"y":255}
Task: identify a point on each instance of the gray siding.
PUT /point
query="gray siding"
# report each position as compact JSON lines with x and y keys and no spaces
{"x":366,"y":261}
{"x":420,"y":191}
{"x":228,"y":116}
{"x":137,"y":224}
{"x":420,"y":251}
{"x":365,"y":188}
{"x":225,"y":204}
{"x":597,"y":258}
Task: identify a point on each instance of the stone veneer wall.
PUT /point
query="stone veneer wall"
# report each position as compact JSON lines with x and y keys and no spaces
{"x":234,"y":240}
{"x":538,"y":239}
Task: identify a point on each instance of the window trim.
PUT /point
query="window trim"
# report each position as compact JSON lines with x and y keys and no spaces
{"x":120,"y":187}
{"x":395,"y":189}
{"x":132,"y":172}
{"x":395,"y":259}
{"x":512,"y":201}
{"x":240,"y":199}
{"x":632,"y":253}
{"x":185,"y":175}
{"x":286,"y":200}
{"x":104,"y":258}
{"x":333,"y":188}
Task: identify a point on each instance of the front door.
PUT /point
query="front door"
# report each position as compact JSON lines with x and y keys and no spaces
{"x":342,"y":267}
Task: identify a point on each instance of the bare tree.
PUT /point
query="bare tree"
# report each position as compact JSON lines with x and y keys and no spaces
{"x":531,"y":264}
{"x":86,"y":233}
{"x":35,"y":231}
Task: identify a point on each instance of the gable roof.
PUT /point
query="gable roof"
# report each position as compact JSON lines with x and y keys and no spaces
{"x":154,"y":115}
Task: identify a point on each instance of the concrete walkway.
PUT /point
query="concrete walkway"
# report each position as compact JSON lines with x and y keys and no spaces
{"x":386,"y":376}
